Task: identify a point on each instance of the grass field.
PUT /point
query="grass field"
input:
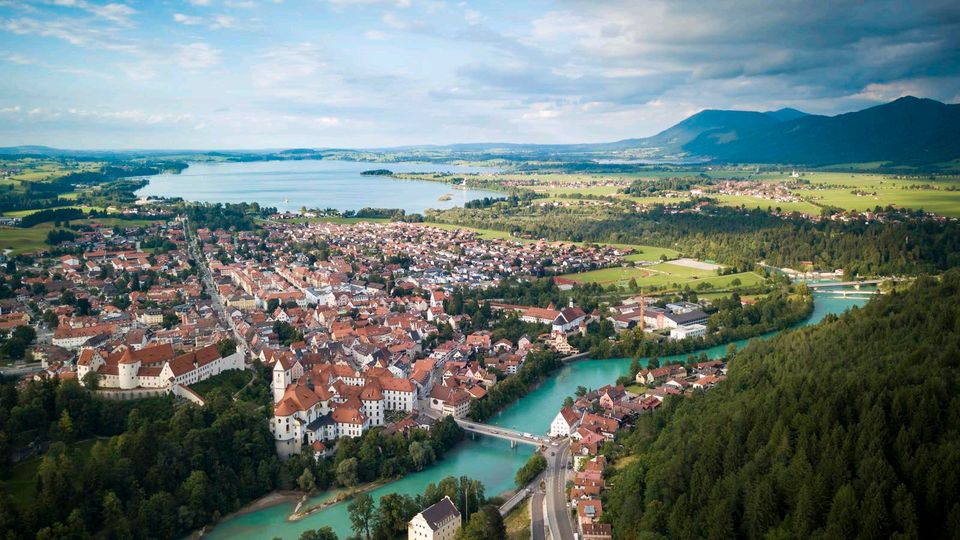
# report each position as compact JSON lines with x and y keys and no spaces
{"x":664,"y":275}
{"x":648,"y":253}
{"x":22,"y":213}
{"x":20,"y":241}
{"x":517,"y":522}
{"x":25,"y":240}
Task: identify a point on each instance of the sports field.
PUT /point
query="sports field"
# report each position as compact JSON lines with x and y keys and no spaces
{"x":665,"y":275}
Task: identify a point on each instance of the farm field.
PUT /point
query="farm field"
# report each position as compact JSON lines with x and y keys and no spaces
{"x":941,"y":202}
{"x":664,"y":275}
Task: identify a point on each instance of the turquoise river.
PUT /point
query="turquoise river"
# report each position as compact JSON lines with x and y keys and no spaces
{"x":491,"y":461}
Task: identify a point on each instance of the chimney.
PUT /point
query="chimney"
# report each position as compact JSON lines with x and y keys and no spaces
{"x":571,"y":301}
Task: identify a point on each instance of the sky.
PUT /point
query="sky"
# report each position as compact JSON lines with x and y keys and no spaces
{"x":233,"y":74}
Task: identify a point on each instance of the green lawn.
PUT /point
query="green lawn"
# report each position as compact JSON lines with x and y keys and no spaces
{"x":664,"y":275}
{"x":24,"y":240}
{"x":229,"y":381}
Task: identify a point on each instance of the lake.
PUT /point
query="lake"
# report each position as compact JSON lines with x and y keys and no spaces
{"x":288,"y":185}
{"x":491,"y":461}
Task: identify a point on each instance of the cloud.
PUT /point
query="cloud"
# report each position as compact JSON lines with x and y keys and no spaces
{"x":196,"y":56}
{"x":113,"y":11}
{"x":187,"y":19}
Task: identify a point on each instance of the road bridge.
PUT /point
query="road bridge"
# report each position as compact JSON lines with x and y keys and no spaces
{"x":829,"y":284}
{"x":515,"y":437}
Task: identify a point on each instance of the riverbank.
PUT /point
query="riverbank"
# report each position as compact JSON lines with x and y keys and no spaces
{"x":339,"y":497}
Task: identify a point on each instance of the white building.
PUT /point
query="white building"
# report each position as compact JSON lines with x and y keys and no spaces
{"x":438,"y":522}
{"x":155,"y":367}
{"x":449,"y":401}
{"x":688,"y":331}
{"x":286,"y":371}
{"x":564,"y":423}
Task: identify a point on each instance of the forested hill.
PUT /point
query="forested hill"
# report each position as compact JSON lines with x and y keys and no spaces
{"x":848,"y":429}
{"x":909,"y":130}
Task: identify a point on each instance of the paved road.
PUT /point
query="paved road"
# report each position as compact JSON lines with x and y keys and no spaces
{"x":216,"y":301}
{"x":558,"y":514}
{"x":537,"y":532}
{"x":16,"y":371}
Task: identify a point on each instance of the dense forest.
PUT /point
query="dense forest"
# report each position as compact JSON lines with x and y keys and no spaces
{"x":151,"y":469}
{"x":846,"y":429}
{"x":740,"y":238}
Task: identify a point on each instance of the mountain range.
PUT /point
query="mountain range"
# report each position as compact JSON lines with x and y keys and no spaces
{"x":908,"y":131}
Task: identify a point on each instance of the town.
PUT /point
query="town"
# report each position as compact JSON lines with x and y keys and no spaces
{"x":353,"y":324}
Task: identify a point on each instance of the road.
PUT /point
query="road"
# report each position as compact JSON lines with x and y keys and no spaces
{"x":23,"y":369}
{"x":558,"y":514}
{"x":537,"y":532}
{"x":211,"y":287}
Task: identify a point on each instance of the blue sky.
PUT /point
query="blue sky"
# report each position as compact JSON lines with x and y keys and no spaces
{"x":366,"y":73}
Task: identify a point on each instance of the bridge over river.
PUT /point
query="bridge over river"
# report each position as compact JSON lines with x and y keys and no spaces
{"x":506,"y":434}
{"x":854,"y":284}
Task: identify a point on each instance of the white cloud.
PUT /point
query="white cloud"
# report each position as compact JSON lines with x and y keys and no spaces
{"x":196,"y":56}
{"x":200,"y":2}
{"x":223,"y":22}
{"x":376,"y":35}
{"x":187,"y":19}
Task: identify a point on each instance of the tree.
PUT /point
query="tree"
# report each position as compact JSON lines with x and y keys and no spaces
{"x":418,"y":455}
{"x":361,"y":510}
{"x":393,"y":514}
{"x":347,"y":472}
{"x":323,"y":533}
{"x":306,"y":481}
{"x":226,"y":347}
{"x":91,"y":380}
{"x":65,"y":427}
{"x":50,"y":319}
{"x":486,"y":524}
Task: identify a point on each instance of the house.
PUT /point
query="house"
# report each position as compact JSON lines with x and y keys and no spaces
{"x":451,"y":401}
{"x":440,"y":521}
{"x":564,"y":423}
{"x":568,"y":319}
{"x":589,"y":511}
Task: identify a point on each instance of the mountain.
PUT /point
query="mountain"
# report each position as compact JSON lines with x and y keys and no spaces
{"x":846,"y":429}
{"x":719,"y":124}
{"x":786,"y":113}
{"x":909,"y":130}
